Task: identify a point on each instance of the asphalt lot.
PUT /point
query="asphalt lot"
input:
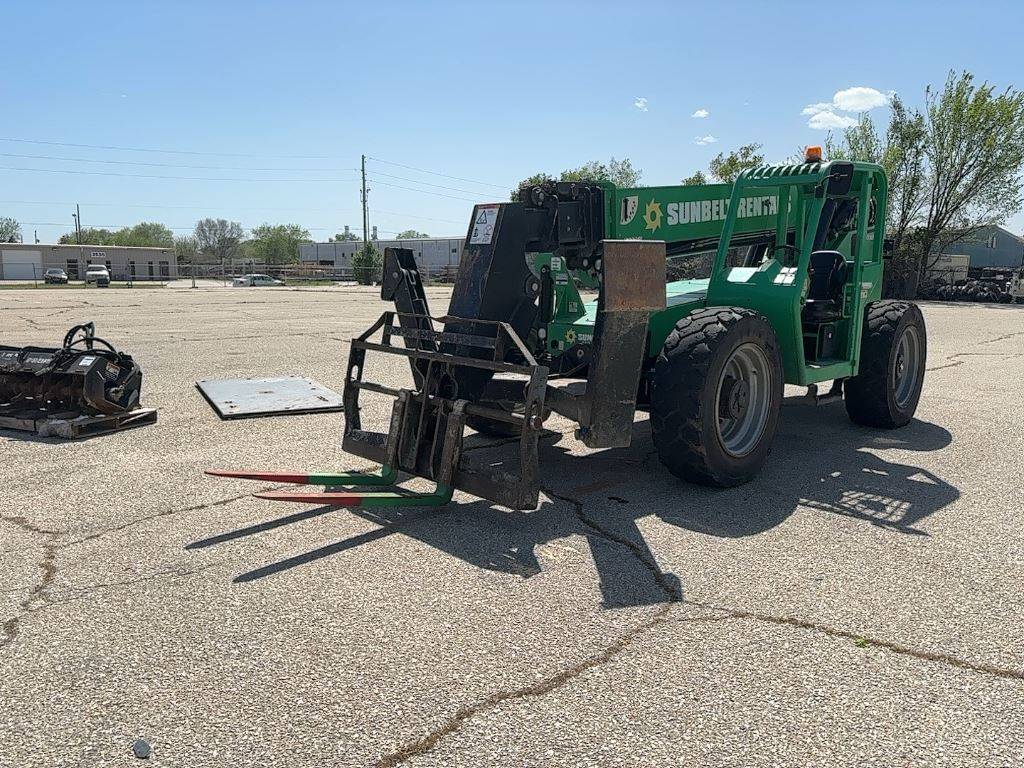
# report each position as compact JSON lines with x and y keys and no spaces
{"x":858,"y":604}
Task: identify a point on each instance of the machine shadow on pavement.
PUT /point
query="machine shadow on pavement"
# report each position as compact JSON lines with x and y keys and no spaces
{"x":838,"y":474}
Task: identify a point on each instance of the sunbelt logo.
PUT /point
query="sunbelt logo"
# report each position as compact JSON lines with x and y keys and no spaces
{"x":701,"y":211}
{"x":692,"y":211}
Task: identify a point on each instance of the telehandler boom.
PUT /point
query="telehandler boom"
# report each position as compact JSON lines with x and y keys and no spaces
{"x":793,"y":296}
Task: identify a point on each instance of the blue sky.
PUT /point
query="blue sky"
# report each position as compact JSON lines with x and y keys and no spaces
{"x":487,"y":91}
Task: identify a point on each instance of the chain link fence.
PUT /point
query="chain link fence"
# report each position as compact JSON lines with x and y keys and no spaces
{"x":297,"y":274}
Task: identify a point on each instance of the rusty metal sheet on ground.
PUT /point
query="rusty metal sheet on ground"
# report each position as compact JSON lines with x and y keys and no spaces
{"x":279,"y":396}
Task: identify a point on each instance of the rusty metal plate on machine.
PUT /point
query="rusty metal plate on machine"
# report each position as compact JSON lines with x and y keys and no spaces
{"x":280,"y":396}
{"x":634,"y":275}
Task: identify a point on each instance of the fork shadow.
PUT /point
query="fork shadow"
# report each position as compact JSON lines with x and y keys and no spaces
{"x":818,"y":463}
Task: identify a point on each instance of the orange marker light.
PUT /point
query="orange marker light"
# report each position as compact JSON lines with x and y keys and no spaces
{"x":812,"y":155}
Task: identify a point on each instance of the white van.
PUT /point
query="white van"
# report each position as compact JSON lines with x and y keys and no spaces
{"x":97,"y":273}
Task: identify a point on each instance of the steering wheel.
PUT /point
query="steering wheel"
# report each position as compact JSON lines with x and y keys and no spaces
{"x":787,"y":247}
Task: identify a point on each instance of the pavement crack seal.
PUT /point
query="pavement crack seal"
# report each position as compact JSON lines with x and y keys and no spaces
{"x":954,"y":361}
{"x":662,"y":615}
{"x":556,"y":681}
{"x":168,"y":512}
{"x":38,"y":596}
{"x":164,"y":573}
{"x":671,"y":590}
{"x":675,"y":596}
{"x":559,"y":679}
{"x":1007,"y":673}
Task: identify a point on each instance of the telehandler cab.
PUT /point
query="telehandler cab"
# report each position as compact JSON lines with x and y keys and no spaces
{"x":793,"y":297}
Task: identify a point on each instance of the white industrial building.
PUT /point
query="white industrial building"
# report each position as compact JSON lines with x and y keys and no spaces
{"x":26,"y":261}
{"x":434,"y":255}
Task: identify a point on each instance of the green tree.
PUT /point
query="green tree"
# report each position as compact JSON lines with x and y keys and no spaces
{"x":90,"y":236}
{"x":621,"y":173}
{"x":974,"y":155}
{"x":410,"y":234}
{"x":367,"y":263}
{"x":276,"y":243}
{"x":218,"y":239}
{"x":901,"y":153}
{"x":726,"y":167}
{"x":10,"y":230}
{"x":861,"y":142}
{"x":146,"y":233}
{"x":186,"y":248}
{"x":953,"y":167}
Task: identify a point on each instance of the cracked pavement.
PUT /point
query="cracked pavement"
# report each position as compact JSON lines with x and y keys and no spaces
{"x":859,"y":603}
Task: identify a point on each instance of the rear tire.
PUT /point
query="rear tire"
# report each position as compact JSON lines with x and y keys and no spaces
{"x":893,"y":353}
{"x":716,"y":395}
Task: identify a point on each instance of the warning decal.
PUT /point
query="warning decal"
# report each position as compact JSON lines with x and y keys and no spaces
{"x":485,"y":217}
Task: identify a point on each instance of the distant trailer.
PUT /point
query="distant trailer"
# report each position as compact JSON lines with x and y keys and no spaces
{"x":951,"y":269}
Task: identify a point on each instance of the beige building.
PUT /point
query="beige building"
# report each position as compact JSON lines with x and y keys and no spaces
{"x":25,"y":261}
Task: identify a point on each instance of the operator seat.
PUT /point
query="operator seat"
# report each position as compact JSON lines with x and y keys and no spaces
{"x":826,"y":276}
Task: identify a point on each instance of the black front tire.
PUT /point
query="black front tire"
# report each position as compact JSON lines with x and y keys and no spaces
{"x":886,"y":390}
{"x":689,"y":379}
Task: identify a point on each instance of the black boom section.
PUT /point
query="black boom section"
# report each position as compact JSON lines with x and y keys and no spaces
{"x":494,"y":281}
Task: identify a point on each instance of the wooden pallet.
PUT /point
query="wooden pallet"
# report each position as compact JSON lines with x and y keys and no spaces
{"x":73,"y":425}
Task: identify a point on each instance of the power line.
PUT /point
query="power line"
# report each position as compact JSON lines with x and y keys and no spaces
{"x":233,"y":208}
{"x":426,"y":183}
{"x":423,"y":191}
{"x":179,"y":178}
{"x":165,"y":151}
{"x":409,"y":216}
{"x":437,"y":173}
{"x":169,"y":165}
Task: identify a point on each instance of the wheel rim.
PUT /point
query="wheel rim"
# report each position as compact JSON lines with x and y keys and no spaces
{"x":904,"y":370}
{"x":743,"y":400}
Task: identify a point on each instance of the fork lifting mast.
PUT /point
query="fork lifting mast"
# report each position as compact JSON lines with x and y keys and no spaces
{"x":795,"y":255}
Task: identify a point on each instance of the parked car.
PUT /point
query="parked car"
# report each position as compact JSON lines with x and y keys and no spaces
{"x":97,"y":273}
{"x":255,"y":280}
{"x":55,"y":277}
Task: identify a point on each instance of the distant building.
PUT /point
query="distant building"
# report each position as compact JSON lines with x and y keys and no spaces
{"x":25,"y":261}
{"x":433,"y":254}
{"x":990,"y":247}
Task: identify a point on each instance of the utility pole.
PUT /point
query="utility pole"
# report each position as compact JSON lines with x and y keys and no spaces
{"x":78,"y":224}
{"x":366,"y":218}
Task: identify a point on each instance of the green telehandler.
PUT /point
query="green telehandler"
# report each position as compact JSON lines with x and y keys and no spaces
{"x":795,"y":253}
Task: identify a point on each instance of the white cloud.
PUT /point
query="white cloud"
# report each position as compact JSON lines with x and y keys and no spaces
{"x":640,"y":103}
{"x":859,"y":98}
{"x":700,"y":114}
{"x":813,"y":109}
{"x":704,"y":140}
{"x":828,"y":120}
